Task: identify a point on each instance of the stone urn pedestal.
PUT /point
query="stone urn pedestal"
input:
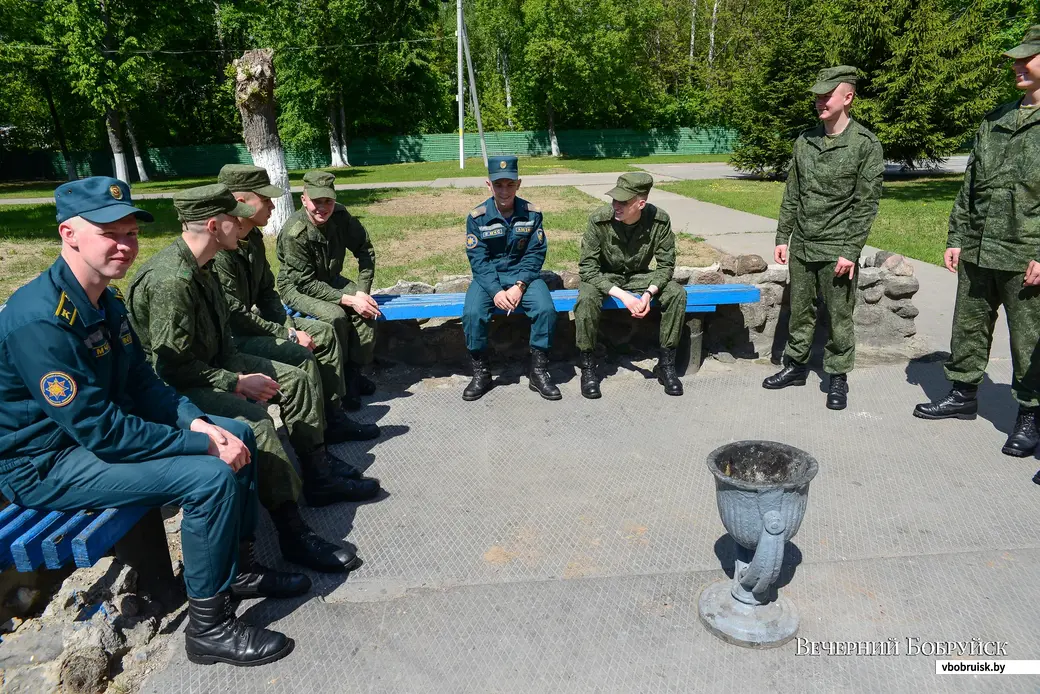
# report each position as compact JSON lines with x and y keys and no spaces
{"x":761,"y":488}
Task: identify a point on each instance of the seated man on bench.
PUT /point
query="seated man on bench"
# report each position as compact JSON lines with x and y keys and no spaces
{"x":86,"y":424}
{"x":619,"y":244}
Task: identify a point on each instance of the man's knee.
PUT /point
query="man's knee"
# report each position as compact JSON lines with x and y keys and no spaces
{"x":589,"y":298}
{"x":671,"y":292}
{"x":240,"y":430}
{"x":213,"y":480}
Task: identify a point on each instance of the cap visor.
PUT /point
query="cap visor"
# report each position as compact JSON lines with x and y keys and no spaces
{"x":112,"y":213}
{"x":315,"y":193}
{"x":824,"y":87}
{"x":270,"y":191}
{"x":620,"y":194}
{"x":1026,"y":50}
{"x":498,"y":175}
{"x":242,"y":210}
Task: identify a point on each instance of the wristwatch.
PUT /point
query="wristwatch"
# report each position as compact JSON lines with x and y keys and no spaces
{"x":523,"y":287}
{"x":292,"y":337}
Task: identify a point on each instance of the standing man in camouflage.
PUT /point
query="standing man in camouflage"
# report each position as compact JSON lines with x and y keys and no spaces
{"x":831,"y":199}
{"x":506,"y":245}
{"x":179,"y":311}
{"x":260,"y":325}
{"x":620,"y":242}
{"x":994,"y":247}
{"x":311,"y":248}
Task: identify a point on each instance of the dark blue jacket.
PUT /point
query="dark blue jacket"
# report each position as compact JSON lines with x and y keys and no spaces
{"x":501,"y":253}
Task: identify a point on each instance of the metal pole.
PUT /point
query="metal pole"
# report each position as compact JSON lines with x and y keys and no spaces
{"x":473,"y":93}
{"x":461,"y":98}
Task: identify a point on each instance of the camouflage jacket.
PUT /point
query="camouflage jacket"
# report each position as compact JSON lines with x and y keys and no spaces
{"x":501,"y":253}
{"x":832,"y":194}
{"x":609,"y":248}
{"x":996,"y":216}
{"x":311,"y":257}
{"x":179,"y":311}
{"x":248,"y":284}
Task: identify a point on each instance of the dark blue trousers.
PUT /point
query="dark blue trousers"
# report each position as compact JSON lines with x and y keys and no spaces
{"x":537,"y":304}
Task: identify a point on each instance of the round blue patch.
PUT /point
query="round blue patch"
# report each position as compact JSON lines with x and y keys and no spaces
{"x":471,"y":241}
{"x":58,"y":388}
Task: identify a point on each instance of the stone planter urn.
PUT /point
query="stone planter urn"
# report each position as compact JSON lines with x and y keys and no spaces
{"x":762,"y":488}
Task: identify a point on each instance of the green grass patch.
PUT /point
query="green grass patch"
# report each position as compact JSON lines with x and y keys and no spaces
{"x":912,"y":217}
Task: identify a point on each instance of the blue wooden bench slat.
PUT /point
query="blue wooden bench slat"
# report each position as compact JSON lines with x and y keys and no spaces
{"x":27,"y":549}
{"x":103,"y":532}
{"x":57,"y":547}
{"x":16,"y":525}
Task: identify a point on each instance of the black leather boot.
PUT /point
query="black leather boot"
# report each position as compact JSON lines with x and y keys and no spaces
{"x":215,"y":635}
{"x":540,"y":380}
{"x":665,"y":372}
{"x":254,"y":580}
{"x":301,"y":545}
{"x":481,"y":382}
{"x":589,"y":379}
{"x":961,"y":402}
{"x":1024,"y":437}
{"x":791,"y":375}
{"x":838,"y":392}
{"x":321,"y":485}
{"x":340,"y":427}
{"x":341,"y":468}
{"x":357,"y":382}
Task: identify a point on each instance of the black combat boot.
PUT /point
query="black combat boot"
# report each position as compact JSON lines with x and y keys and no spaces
{"x":838,"y":392}
{"x":357,"y":382}
{"x":321,"y":486}
{"x":341,"y":468}
{"x":793,"y":374}
{"x":665,"y":372}
{"x":1025,"y":436}
{"x":301,"y":545}
{"x":961,"y":402}
{"x":481,"y":382}
{"x":215,"y":635}
{"x":540,"y":380}
{"x":254,"y":580}
{"x":339,"y":427}
{"x":589,"y":379}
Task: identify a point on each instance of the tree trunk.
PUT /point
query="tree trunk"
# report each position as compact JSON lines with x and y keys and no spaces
{"x":142,"y":175}
{"x":553,"y":143}
{"x":254,"y":95}
{"x":116,"y":144}
{"x":343,"y":132}
{"x":59,"y":132}
{"x":693,"y":27}
{"x":335,"y":135}
{"x":504,"y":65}
{"x":711,"y":32}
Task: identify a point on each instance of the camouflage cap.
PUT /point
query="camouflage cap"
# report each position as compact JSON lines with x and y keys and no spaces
{"x":630,"y":185}
{"x":203,"y":202}
{"x":319,"y":184}
{"x":829,"y":78}
{"x":245,"y":178}
{"x":1030,"y":45}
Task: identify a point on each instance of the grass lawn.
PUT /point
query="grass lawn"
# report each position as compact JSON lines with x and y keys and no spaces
{"x":420,"y":171}
{"x":912,"y":218}
{"x":418,"y":234}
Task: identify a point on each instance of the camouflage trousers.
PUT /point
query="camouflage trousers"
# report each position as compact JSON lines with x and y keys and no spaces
{"x":980,"y":291}
{"x":326,"y":354}
{"x":809,"y":281}
{"x":302,"y":412}
{"x":357,"y":335}
{"x":589,"y":308}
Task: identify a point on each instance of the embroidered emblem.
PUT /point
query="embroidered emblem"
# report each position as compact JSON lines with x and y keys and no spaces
{"x":493,"y":233}
{"x":541,"y":236}
{"x":501,"y":165}
{"x":58,"y":388}
{"x":471,"y":241}
{"x":116,"y":192}
{"x":102,"y":349}
{"x":127,"y":339}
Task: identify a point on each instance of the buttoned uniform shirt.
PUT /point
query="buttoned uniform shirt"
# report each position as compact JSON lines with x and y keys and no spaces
{"x":311,"y":257}
{"x":832,"y":193}
{"x":248,"y":283}
{"x":75,"y":375}
{"x":612,"y":250}
{"x":502,"y":252}
{"x":996,"y":217}
{"x":180,"y":312}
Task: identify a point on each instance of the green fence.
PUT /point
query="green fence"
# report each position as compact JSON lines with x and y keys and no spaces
{"x":206,"y":160}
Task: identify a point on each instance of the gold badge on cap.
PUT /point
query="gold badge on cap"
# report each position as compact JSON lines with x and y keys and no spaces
{"x":116,"y":192}
{"x":501,"y":165}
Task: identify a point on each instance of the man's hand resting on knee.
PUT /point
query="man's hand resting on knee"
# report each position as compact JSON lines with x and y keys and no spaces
{"x":223,"y":444}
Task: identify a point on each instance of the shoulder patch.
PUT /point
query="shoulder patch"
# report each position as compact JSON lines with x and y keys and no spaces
{"x":66,"y":310}
{"x":58,"y":388}
{"x":471,"y":241}
{"x":478,"y":211}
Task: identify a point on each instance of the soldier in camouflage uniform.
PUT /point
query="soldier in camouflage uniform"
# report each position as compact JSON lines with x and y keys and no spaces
{"x":831,"y":199}
{"x":179,"y":312}
{"x":994,"y":247}
{"x":259,"y":324}
{"x":311,"y":248}
{"x":620,"y":242}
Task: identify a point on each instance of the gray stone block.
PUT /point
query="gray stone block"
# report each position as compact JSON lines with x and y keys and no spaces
{"x":749,"y":264}
{"x":868,"y":277}
{"x":905,"y":309}
{"x":867,"y":315}
{"x":897,"y":287}
{"x":873,"y":294}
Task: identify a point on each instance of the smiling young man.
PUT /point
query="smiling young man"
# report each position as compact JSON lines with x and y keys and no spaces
{"x":830,"y":201}
{"x":994,"y":247}
{"x":311,"y":249}
{"x":506,"y":245}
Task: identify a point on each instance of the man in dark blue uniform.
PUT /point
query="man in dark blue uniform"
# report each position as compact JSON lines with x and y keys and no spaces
{"x":86,"y":424}
{"x":506,"y":247}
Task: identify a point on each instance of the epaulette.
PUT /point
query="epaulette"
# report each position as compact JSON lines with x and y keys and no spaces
{"x":296,"y":228}
{"x":533,"y":208}
{"x":478,"y":211}
{"x":66,"y":310}
{"x":602,"y":214}
{"x":116,"y":292}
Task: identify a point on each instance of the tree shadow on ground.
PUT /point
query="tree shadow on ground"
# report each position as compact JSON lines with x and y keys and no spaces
{"x":930,"y":187}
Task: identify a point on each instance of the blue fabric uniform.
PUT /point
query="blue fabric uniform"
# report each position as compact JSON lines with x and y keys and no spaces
{"x":86,"y":424}
{"x":502,"y":252}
